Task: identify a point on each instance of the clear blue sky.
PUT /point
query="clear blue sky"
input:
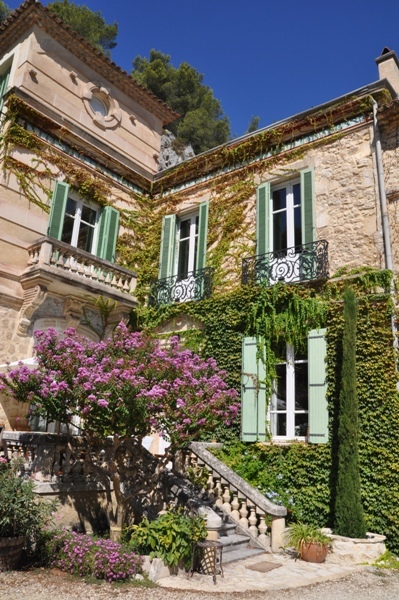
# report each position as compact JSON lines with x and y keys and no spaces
{"x":271,"y":59}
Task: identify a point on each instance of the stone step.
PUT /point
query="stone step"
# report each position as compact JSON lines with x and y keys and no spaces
{"x":231,"y":542}
{"x":240,"y":553}
{"x":227,"y":529}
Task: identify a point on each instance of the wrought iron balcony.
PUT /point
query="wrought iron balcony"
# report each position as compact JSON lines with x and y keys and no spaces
{"x":299,"y":263}
{"x":196,"y":286}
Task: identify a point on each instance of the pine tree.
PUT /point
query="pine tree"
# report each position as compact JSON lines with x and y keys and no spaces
{"x":349,"y":519}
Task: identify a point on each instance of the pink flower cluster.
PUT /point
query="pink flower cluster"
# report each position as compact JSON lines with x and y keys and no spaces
{"x":81,"y":555}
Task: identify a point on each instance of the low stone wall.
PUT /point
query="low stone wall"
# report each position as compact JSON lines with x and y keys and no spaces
{"x":355,"y":551}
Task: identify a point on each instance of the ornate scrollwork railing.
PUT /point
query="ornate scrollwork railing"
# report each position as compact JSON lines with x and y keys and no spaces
{"x":196,"y":286}
{"x":299,"y":263}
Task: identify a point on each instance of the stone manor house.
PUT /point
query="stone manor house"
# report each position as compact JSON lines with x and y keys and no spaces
{"x":86,"y":215}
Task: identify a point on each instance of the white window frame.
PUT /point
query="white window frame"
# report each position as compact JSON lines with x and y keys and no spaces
{"x":289,"y":210}
{"x":290,"y":409}
{"x":78,"y":220}
{"x":193,"y":241}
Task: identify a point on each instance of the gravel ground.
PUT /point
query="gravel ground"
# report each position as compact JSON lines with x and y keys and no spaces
{"x":370,"y":584}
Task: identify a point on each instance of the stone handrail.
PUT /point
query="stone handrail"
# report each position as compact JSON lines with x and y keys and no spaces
{"x":48,"y":252}
{"x":243,"y":504}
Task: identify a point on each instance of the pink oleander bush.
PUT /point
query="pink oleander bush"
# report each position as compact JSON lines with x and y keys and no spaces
{"x":84,"y":556}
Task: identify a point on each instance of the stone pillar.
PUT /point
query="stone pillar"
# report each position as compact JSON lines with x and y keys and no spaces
{"x":213,"y":522}
{"x":277,"y":534}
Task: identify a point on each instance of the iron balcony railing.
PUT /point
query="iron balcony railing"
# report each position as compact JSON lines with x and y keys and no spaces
{"x":196,"y":286}
{"x":291,"y":265}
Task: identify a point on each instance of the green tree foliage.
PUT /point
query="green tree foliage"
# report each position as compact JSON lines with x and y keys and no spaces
{"x":89,"y":24}
{"x":202,"y":122}
{"x":4,"y":11}
{"x":253,"y":125}
{"x":349,"y":519}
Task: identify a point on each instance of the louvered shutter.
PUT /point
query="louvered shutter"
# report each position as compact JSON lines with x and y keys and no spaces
{"x":4,"y":79}
{"x":202,"y":236}
{"x":107,"y":233}
{"x":307,"y":206}
{"x":168,"y":241}
{"x":317,"y":382}
{"x":58,"y":207}
{"x":253,"y":393}
{"x":262,"y":219}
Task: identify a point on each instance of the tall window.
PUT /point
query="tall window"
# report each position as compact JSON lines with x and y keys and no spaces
{"x":289,"y":402}
{"x":80,"y":222}
{"x":187,"y":242}
{"x":286,"y":230}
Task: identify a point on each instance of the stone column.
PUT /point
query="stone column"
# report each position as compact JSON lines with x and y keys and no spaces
{"x":277,"y":534}
{"x":213,"y":522}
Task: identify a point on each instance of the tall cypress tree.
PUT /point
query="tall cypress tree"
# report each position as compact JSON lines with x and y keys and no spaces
{"x":349,"y":519}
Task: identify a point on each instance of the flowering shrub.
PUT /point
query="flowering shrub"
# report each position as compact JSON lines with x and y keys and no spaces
{"x":127,"y":384}
{"x":81,"y":555}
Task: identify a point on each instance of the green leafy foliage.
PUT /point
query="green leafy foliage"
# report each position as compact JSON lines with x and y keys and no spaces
{"x":170,"y":537}
{"x":22,"y":513}
{"x":299,"y":534}
{"x":87,"y":23}
{"x":4,"y":11}
{"x":202,"y":122}
{"x":349,"y":520}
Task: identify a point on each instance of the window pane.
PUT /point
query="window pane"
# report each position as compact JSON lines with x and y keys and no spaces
{"x":296,"y":190}
{"x":301,"y":386}
{"x":281,"y":388}
{"x":67,"y":229}
{"x":85,"y":237}
{"x":279,"y":199}
{"x":279,"y":231}
{"x":182,"y":268}
{"x":88,"y":215}
{"x":278,"y":424}
{"x":185,"y":229}
{"x":71,"y":207}
{"x":301,"y":424}
{"x":297,"y":226}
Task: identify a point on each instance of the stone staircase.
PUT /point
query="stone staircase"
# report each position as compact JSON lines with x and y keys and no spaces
{"x":236,"y":546}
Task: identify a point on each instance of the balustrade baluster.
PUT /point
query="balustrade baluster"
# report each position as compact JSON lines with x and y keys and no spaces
{"x":244,"y":513}
{"x":226,"y":499}
{"x":253,"y":520}
{"x":211,"y":485}
{"x":235,"y":505}
{"x":262,"y":528}
{"x":218,"y":492}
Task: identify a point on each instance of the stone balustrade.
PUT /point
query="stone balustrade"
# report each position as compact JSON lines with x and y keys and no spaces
{"x":55,"y":462}
{"x":52,"y":255}
{"x":252,"y":512}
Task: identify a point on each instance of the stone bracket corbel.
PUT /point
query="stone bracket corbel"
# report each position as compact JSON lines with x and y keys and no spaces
{"x":73,"y":311}
{"x":33,"y":298}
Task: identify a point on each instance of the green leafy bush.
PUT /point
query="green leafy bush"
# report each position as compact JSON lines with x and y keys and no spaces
{"x":301,"y":533}
{"x":170,"y":537}
{"x":22,"y":512}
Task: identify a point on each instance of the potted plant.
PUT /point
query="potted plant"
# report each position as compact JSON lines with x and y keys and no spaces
{"x":22,"y":514}
{"x":310,"y":543}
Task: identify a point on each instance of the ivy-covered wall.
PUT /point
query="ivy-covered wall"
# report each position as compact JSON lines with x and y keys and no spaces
{"x":300,"y":475}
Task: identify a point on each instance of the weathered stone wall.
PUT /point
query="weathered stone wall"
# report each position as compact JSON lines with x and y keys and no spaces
{"x":346,"y":202}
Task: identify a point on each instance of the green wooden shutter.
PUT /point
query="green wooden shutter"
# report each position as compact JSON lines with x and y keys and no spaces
{"x":4,"y":79}
{"x":317,"y":382}
{"x":107,"y":233}
{"x":262,"y":219}
{"x":168,"y":241}
{"x":307,"y":206}
{"x":58,"y":207}
{"x":202,"y":236}
{"x":253,"y":393}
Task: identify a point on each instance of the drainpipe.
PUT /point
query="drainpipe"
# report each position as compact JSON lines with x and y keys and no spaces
{"x":381,"y":188}
{"x":385,"y":222}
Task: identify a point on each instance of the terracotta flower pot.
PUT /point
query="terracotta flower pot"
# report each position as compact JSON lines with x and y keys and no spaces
{"x":10,"y":552}
{"x":314,"y":552}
